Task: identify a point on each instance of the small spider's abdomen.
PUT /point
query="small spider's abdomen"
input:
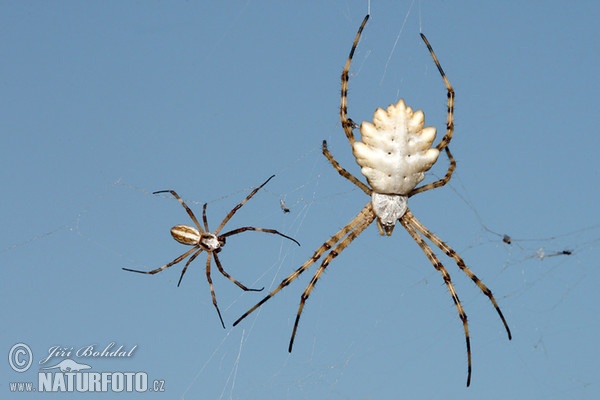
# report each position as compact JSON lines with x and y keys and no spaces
{"x":396,"y":149}
{"x":185,"y":235}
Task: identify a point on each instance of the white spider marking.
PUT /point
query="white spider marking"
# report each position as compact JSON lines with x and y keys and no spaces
{"x":211,"y":242}
{"x":389,"y":208}
{"x":395,"y":150}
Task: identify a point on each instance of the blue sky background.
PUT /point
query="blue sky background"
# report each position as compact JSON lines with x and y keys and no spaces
{"x":105,"y":102}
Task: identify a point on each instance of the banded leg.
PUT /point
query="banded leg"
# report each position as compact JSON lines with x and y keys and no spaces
{"x":406,"y":222}
{"x":212,"y":289}
{"x":251,"y":228}
{"x":368,"y":209}
{"x":459,"y":262}
{"x":187,"y":209}
{"x":231,"y":278}
{"x":441,"y":182}
{"x":450,"y":107}
{"x":233,"y":211}
{"x":343,"y":172}
{"x":157,"y":270}
{"x":204,"y":219}
{"x":367,"y":219}
{"x":192,"y":258}
{"x":347,"y":123}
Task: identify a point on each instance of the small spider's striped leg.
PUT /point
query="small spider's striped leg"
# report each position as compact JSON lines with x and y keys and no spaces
{"x":251,"y":228}
{"x":212,"y":288}
{"x":441,"y":182}
{"x":406,"y":222}
{"x":157,"y":270}
{"x":231,"y":278}
{"x":460,"y":262}
{"x":233,"y":211}
{"x":192,"y":258}
{"x":189,"y":211}
{"x":367,"y":217}
{"x":347,"y":123}
{"x":204,"y":219}
{"x":315,"y":257}
{"x":450,"y":115}
{"x":343,"y":172}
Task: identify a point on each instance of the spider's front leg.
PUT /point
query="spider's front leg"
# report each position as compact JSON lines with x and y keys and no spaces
{"x":450,"y":105}
{"x":347,"y":123}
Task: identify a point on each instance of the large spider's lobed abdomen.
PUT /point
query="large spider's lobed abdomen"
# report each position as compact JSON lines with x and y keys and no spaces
{"x":396,"y":149}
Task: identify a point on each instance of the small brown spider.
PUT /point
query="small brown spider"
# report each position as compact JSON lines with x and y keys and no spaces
{"x":201,"y":239}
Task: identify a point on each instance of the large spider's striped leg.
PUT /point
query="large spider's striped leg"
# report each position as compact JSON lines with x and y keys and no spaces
{"x":212,"y":288}
{"x":461,"y":264}
{"x":441,"y":182}
{"x":231,"y":278}
{"x":406,"y":221}
{"x":187,"y":209}
{"x":251,"y":228}
{"x":368,"y":216}
{"x":157,"y":270}
{"x":233,"y":211}
{"x":343,"y":172}
{"x":318,"y":253}
{"x":347,"y":123}
{"x":450,"y":114}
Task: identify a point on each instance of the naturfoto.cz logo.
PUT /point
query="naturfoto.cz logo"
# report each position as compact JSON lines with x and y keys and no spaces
{"x":60,"y":372}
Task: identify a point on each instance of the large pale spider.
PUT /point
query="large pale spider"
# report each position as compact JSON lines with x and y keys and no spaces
{"x":395,"y":152}
{"x":211,"y":242}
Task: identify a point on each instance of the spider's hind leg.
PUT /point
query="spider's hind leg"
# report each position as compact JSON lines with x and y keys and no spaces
{"x":461,"y":264}
{"x":407,"y":221}
{"x":361,"y":222}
